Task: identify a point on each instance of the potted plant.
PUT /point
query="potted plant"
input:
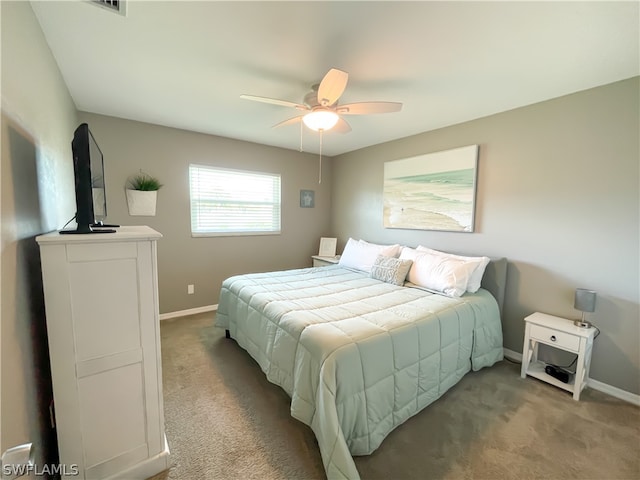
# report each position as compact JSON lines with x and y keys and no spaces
{"x":142,"y":193}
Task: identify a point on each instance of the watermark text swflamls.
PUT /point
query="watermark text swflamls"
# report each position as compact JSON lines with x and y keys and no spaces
{"x":61,"y":469}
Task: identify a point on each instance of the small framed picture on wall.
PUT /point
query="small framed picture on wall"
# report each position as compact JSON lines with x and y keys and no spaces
{"x":307,"y":198}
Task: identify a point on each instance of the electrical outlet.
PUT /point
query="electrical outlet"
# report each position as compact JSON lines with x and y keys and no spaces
{"x":191,"y":289}
{"x":17,"y":461}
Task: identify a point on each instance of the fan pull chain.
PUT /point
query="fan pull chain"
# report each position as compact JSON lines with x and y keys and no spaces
{"x":320,"y":166}
{"x":301,"y":135}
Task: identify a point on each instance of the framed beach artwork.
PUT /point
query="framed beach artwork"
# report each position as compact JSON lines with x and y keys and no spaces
{"x":435,"y":191}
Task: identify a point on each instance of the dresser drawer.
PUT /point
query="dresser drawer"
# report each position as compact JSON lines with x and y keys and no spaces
{"x":554,"y":337}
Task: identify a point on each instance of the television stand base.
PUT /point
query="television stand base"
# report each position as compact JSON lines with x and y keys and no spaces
{"x":76,"y":232}
{"x":104,"y":225}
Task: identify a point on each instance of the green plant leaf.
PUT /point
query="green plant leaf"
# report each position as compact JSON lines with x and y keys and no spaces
{"x":145,"y":182}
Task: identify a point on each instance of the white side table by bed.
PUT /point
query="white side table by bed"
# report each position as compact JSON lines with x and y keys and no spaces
{"x":559,"y":333}
{"x":319,"y":261}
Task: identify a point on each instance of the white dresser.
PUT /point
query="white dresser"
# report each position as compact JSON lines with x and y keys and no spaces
{"x":101,"y":298}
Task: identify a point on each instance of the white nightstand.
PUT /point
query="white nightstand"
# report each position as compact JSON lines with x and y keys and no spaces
{"x":559,"y":333}
{"x":319,"y":261}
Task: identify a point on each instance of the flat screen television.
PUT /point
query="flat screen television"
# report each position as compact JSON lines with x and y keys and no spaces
{"x":88,"y":170}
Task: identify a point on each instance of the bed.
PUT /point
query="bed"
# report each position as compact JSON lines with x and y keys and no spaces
{"x":358,"y":355}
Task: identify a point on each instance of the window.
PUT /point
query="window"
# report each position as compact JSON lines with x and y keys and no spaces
{"x":233,"y":202}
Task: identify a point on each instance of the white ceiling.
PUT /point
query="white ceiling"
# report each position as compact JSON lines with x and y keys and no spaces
{"x":185,"y":64}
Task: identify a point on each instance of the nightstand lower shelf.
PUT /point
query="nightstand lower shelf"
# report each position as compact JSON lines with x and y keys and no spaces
{"x":536,"y":370}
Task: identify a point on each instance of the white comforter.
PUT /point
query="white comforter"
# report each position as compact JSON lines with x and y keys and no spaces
{"x":356,"y":355}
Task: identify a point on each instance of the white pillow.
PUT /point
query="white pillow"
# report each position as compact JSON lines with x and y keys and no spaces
{"x":408,"y":252}
{"x":362,"y":255}
{"x":387,"y":250}
{"x":479,"y":262}
{"x":438,"y":273}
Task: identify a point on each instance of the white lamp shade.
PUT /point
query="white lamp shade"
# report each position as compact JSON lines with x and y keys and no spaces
{"x":320,"y":120}
{"x":585,"y":300}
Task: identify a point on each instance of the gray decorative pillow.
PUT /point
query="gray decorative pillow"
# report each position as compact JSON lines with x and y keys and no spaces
{"x":390,"y":269}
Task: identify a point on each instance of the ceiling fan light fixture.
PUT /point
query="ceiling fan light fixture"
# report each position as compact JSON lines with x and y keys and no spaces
{"x":320,"y":120}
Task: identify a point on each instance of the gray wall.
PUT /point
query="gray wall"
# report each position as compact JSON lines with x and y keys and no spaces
{"x":129,"y":147}
{"x":558,"y":187}
{"x":38,"y":120}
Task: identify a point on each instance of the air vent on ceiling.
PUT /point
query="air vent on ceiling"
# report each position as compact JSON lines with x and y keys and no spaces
{"x":117,"y":6}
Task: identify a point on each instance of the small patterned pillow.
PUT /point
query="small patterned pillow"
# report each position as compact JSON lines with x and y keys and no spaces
{"x":390,"y":269}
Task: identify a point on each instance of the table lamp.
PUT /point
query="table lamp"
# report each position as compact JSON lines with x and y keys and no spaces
{"x":585,"y":301}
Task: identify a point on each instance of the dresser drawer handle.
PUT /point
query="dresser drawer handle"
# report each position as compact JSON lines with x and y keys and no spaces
{"x":553,"y":338}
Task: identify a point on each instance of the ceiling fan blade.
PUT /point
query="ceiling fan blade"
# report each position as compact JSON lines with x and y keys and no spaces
{"x":332,"y":86}
{"x":341,"y":127}
{"x":365,"y":108}
{"x":290,"y":121}
{"x":274,"y":101}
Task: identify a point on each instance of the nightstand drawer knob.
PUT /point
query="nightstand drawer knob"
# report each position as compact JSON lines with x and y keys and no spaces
{"x":553,"y":338}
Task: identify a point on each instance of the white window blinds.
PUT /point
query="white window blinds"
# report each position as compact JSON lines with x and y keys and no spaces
{"x":233,"y":202}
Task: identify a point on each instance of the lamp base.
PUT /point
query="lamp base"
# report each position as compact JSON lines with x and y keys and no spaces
{"x":582,"y":323}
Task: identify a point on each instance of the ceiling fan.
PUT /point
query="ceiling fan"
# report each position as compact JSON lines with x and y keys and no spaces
{"x":322,"y":112}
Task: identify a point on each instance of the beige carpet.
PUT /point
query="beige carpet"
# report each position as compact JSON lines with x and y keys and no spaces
{"x":224,"y":420}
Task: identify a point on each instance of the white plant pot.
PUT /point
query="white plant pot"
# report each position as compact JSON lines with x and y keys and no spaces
{"x":142,"y":203}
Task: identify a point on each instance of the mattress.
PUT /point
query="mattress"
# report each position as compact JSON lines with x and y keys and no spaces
{"x":357,"y":356}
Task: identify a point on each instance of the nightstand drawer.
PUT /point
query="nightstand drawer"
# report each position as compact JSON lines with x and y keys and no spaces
{"x":554,"y":337}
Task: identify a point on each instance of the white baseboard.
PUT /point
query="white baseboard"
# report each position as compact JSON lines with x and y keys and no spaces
{"x":614,"y":391}
{"x":595,"y":384}
{"x":510,"y":354}
{"x":190,"y":311}
{"x":148,"y":467}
